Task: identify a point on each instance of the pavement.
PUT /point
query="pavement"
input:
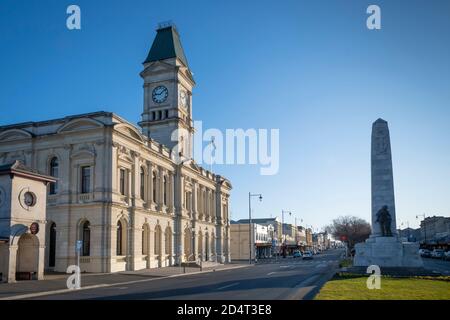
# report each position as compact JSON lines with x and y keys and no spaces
{"x":271,"y":279}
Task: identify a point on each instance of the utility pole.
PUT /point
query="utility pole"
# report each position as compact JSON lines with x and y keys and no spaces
{"x":250,"y":236}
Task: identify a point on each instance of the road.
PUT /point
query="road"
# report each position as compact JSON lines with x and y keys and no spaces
{"x":271,"y":280}
{"x":437,"y":265}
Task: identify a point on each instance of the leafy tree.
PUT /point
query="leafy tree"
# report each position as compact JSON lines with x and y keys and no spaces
{"x":349,"y":229}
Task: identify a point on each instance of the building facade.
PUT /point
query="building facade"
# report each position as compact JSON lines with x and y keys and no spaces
{"x":261,"y":237}
{"x":133,"y":195}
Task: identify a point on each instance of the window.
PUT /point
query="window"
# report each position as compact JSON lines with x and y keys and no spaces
{"x":122,"y":181}
{"x":154,"y":186}
{"x":165,"y":190}
{"x":142,"y":183}
{"x":86,"y":238}
{"x":85,"y":179}
{"x":153,"y":115}
{"x":159,"y":115}
{"x":166,"y":114}
{"x":119,"y":250}
{"x":54,"y":165}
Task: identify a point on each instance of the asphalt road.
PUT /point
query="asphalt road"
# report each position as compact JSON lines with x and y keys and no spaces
{"x":437,"y":265}
{"x":271,"y":280}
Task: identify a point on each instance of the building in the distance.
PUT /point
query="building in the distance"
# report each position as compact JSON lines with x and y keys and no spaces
{"x":132,"y":195}
{"x":435,"y":231}
{"x":261,"y":237}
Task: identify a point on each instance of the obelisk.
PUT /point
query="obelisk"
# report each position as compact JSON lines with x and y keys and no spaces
{"x":382,"y":176}
{"x":384,"y":248}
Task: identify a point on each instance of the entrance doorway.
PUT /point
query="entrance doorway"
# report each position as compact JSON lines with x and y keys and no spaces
{"x":27,"y":260}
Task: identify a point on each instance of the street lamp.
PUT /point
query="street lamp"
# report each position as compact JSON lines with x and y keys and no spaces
{"x":250,"y":195}
{"x":424,"y":226}
{"x":283,"y":235}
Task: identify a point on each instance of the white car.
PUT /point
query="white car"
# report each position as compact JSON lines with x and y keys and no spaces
{"x":307,"y":255}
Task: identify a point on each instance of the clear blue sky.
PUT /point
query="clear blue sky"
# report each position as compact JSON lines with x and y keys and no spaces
{"x":310,"y":68}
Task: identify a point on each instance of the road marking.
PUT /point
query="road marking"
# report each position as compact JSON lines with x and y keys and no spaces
{"x":230,"y":285}
{"x":271,"y":273}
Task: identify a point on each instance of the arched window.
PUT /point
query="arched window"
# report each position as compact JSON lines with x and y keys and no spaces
{"x":154,"y":186}
{"x":119,"y":248}
{"x":54,"y":168}
{"x":86,"y":238}
{"x":165,"y":190}
{"x":142,"y":183}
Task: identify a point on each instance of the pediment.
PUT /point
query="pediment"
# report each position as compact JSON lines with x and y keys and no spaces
{"x":157,"y":66}
{"x":129,"y":131}
{"x":80,"y":125}
{"x":14,"y":134}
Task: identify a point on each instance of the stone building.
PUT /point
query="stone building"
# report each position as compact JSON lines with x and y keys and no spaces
{"x":23,"y":195}
{"x":133,"y":195}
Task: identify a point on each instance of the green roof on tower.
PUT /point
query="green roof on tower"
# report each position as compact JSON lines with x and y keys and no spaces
{"x":166,"y":44}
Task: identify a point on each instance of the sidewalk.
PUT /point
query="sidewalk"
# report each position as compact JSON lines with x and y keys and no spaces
{"x":57,"y":281}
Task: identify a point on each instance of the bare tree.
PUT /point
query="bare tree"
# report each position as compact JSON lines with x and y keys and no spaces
{"x":349,"y":229}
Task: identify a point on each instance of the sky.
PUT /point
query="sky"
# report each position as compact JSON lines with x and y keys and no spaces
{"x":311,"y":69}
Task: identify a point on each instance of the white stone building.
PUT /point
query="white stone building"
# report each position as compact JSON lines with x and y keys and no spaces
{"x":121,"y":189}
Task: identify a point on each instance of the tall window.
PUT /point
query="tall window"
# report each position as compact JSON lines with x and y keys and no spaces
{"x":86,"y":238}
{"x":166,"y":114}
{"x":165,"y":190}
{"x":142,"y":183}
{"x":52,"y":249}
{"x":122,"y":181}
{"x":85,"y":179}
{"x":154,"y":186}
{"x":119,"y":248}
{"x":54,"y":166}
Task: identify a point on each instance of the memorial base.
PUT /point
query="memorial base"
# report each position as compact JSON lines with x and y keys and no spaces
{"x":387,"y":252}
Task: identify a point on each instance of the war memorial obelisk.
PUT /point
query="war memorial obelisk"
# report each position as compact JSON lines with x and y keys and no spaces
{"x":384,"y":248}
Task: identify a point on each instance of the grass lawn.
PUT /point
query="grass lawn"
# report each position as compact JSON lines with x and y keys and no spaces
{"x":353,"y":287}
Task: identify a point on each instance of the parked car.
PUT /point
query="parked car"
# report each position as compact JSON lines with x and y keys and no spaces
{"x":425,"y":253}
{"x":297,"y":254}
{"x":447,"y":255}
{"x":438,"y":253}
{"x":307,"y":255}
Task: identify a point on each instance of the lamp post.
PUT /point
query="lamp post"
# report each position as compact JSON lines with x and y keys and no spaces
{"x":283,"y":235}
{"x":250,"y":195}
{"x":424,"y":226}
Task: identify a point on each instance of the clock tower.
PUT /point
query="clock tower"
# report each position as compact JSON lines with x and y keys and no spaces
{"x":168,"y":83}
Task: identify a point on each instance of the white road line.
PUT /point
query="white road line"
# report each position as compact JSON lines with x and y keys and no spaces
{"x":230,"y":285}
{"x":271,"y":273}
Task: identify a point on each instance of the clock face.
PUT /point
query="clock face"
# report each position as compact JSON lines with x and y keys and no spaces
{"x":160,"y":94}
{"x":183,"y":98}
{"x":29,"y":199}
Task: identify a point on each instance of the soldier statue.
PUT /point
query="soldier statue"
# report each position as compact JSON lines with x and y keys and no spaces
{"x":384,"y":219}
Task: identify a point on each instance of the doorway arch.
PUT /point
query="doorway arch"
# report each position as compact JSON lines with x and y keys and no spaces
{"x":28,"y":254}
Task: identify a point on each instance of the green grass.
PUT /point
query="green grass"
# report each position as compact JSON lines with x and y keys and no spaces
{"x":345,"y":263}
{"x":353,"y":287}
